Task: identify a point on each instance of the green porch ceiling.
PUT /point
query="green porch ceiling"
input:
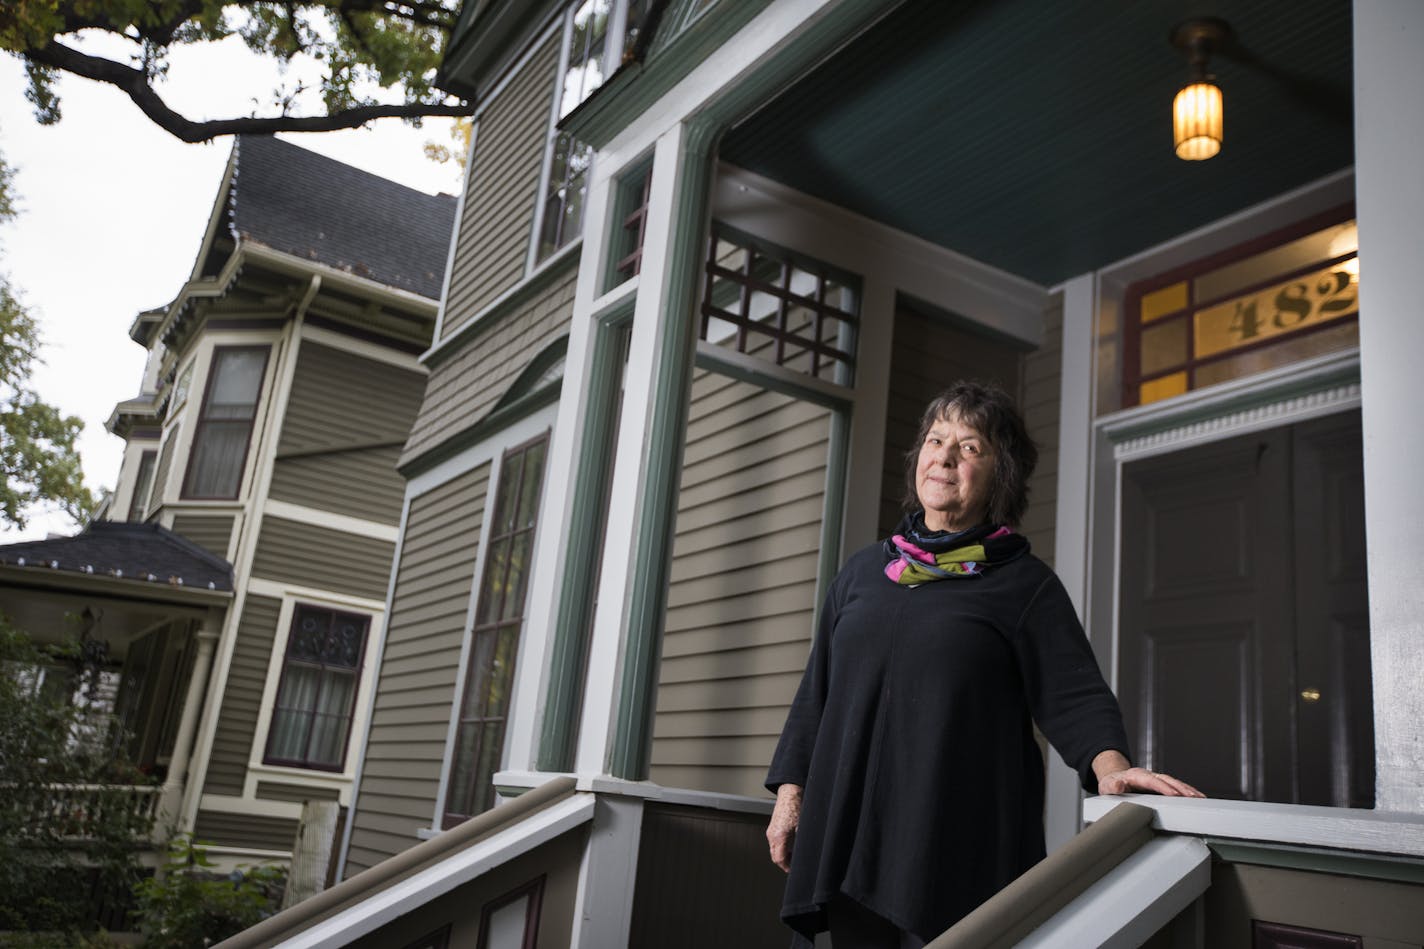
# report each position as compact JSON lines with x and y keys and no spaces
{"x":1035,"y":135}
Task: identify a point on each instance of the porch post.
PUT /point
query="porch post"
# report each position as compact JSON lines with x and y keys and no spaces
{"x":626,"y":648}
{"x":1389,"y":194}
{"x":1063,"y":812}
{"x":175,"y":787}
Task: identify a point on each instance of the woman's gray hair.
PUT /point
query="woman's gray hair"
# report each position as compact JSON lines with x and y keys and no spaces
{"x":993,"y":413}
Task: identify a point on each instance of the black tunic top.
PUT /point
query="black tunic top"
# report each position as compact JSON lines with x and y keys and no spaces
{"x":912,"y":734}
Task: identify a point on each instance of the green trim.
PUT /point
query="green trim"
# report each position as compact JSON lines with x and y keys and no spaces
{"x":555,"y":268}
{"x":833,"y":507}
{"x":563,"y":701}
{"x":484,"y":428}
{"x":525,"y":383}
{"x":1319,"y":860}
{"x":631,"y":749}
{"x":711,"y":363}
{"x":631,"y":90}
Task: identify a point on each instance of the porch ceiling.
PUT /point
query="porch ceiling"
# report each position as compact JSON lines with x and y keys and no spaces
{"x":1035,"y":135}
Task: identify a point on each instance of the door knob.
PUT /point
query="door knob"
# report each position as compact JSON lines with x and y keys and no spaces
{"x":1310,"y":695}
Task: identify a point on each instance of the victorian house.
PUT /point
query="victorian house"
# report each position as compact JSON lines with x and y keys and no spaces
{"x":711,"y":259}
{"x":237,"y":578}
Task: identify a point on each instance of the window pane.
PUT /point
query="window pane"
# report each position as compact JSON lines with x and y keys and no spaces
{"x":215,"y":468}
{"x":237,"y":378}
{"x":311,"y":720}
{"x":1164,"y":345}
{"x":143,"y":482}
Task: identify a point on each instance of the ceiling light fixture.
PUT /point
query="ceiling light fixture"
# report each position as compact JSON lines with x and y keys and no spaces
{"x":1197,"y":109}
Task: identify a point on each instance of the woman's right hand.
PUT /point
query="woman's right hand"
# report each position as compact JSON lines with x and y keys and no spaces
{"x":781,"y":831}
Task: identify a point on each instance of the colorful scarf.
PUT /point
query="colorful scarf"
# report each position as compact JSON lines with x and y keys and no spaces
{"x":918,"y":555}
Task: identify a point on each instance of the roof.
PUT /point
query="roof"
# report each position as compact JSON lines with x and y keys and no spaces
{"x":310,"y":206}
{"x":140,"y":552}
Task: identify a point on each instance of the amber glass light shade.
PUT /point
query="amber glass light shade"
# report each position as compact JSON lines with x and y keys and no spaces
{"x":1197,"y":120}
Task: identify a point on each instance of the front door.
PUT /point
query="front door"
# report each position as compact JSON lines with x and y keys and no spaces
{"x":1244,"y":640}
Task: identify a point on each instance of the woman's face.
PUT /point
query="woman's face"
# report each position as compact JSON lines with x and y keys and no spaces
{"x":953,"y":475}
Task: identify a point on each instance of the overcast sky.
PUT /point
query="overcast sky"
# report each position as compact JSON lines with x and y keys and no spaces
{"x":112,"y":211}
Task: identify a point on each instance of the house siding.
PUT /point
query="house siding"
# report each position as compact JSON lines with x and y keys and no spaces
{"x":213,"y":534}
{"x":493,"y":239}
{"x":415,"y":689}
{"x":742,"y":591}
{"x":464,"y":388}
{"x":295,"y":793}
{"x":245,"y":830}
{"x":346,"y":419}
{"x":1040,"y":402}
{"x":242,"y":696}
{"x":308,"y":555}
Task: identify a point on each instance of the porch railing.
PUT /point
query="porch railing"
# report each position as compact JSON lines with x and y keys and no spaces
{"x":75,"y":810}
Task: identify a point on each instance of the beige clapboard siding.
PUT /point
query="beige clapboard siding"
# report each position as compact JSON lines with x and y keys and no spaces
{"x":493,"y":238}
{"x":295,"y":793}
{"x":346,"y":419}
{"x":309,"y":555}
{"x":213,"y":533}
{"x":464,"y":389}
{"x":415,"y":687}
{"x":162,"y":473}
{"x":1041,"y":400}
{"x":244,"y":830}
{"x":242,"y":696}
{"x":742,"y":589}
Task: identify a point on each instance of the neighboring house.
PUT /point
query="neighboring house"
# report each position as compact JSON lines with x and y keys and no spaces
{"x":242,"y":572}
{"x":711,"y":260}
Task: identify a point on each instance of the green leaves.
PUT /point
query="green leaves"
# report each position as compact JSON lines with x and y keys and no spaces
{"x":39,"y":460}
{"x":393,"y":46}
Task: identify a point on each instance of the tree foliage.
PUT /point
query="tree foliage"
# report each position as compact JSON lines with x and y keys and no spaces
{"x":389,"y":42}
{"x":190,"y":905}
{"x":68,"y":824}
{"x":38,"y":458}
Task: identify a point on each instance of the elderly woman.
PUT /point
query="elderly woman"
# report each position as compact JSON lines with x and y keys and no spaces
{"x":909,"y":787}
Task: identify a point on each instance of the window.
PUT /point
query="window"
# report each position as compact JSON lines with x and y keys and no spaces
{"x":1287,"y":297}
{"x":633,"y":222}
{"x":494,"y":640}
{"x":512,"y":921}
{"x":771,"y":304}
{"x":316,"y":697}
{"x":220,"y":442}
{"x":593,"y":28}
{"x":143,"y":481}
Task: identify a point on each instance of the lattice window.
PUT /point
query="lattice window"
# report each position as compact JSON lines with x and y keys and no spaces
{"x":634,"y":226}
{"x":311,"y":720}
{"x":771,"y":304}
{"x":1286,"y":297}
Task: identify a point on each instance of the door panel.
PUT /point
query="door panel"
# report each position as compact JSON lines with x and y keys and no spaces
{"x":1199,"y":573}
{"x":1243,"y":631}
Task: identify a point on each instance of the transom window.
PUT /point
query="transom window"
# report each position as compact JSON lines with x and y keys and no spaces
{"x":1290,"y":296}
{"x":494,"y":641}
{"x":220,"y":442}
{"x":787,"y":310}
{"x":311,"y":720}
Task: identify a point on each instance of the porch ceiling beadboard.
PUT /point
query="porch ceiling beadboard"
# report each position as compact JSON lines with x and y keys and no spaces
{"x":1036,"y":135}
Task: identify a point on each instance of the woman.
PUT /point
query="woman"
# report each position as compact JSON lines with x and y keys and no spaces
{"x":909,"y":787}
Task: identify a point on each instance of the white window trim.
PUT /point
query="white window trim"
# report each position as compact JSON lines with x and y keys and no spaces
{"x":290,"y":596}
{"x":613,"y":53}
{"x":490,"y":451}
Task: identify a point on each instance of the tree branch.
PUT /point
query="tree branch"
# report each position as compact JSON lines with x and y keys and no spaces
{"x":136,"y":86}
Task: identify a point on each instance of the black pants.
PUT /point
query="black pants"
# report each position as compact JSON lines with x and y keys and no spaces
{"x":853,"y":926}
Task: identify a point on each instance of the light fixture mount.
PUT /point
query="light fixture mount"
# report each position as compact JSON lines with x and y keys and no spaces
{"x":1199,"y":37}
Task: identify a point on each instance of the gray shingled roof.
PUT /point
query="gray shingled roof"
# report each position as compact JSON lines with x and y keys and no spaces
{"x":311,"y":206}
{"x":144,"y":552}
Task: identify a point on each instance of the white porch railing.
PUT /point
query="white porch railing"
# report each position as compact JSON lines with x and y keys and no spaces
{"x":70,"y":810}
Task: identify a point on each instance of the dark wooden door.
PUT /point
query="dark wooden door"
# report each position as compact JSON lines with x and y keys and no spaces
{"x":1244,"y":646}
